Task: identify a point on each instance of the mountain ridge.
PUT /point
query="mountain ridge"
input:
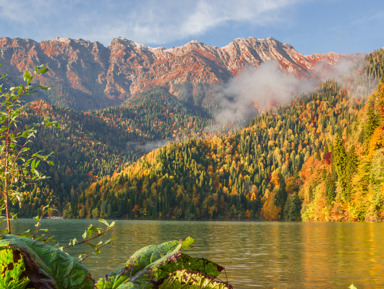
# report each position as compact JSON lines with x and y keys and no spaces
{"x":88,"y":75}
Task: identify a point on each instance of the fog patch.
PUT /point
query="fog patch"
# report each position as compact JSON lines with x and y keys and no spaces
{"x":146,"y":146}
{"x":256,"y":90}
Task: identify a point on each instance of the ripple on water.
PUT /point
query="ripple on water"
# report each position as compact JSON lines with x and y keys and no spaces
{"x":255,"y":254}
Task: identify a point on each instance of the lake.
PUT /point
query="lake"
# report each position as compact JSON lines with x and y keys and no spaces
{"x":254,"y":254}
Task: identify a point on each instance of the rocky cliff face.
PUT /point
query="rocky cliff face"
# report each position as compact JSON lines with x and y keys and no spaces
{"x":94,"y":76}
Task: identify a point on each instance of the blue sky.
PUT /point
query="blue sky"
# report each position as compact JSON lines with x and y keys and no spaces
{"x":343,"y":26}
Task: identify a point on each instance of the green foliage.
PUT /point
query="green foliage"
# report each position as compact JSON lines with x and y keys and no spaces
{"x":330,"y":188}
{"x":351,"y":187}
{"x":27,"y":263}
{"x":375,"y":64}
{"x":158,"y":115}
{"x":12,"y":269}
{"x":94,"y":144}
{"x":139,"y":264}
{"x":184,"y":278}
{"x":249,"y":174}
{"x":373,"y":121}
{"x":45,"y":266}
{"x":164,"y":265}
{"x":228,"y":177}
{"x":18,"y":168}
{"x":292,"y":209}
{"x":89,"y":235}
{"x":352,"y":165}
{"x":340,"y":163}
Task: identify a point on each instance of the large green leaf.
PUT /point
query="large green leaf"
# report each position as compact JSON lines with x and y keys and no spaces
{"x":154,"y":265}
{"x":140,"y":263}
{"x":185,"y":261}
{"x":26,"y":263}
{"x":184,"y":278}
{"x":12,"y":269}
{"x":45,"y":266}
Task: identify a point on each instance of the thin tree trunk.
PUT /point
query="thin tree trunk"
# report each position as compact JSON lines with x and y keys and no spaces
{"x":7,"y":214}
{"x":6,"y":181}
{"x":6,"y":196}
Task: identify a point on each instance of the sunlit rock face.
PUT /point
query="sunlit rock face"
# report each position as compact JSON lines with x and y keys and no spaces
{"x":95,"y":76}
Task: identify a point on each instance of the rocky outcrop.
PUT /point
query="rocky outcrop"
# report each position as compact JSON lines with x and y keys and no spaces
{"x":95,"y":76}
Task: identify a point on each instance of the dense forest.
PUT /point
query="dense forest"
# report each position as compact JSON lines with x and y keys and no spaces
{"x":375,"y":64}
{"x":254,"y":173}
{"x":351,"y":186}
{"x":317,"y":158}
{"x":94,"y":144}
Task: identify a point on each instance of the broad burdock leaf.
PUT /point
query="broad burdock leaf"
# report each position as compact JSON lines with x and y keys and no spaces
{"x":12,"y":269}
{"x":45,"y":266}
{"x":154,"y":265}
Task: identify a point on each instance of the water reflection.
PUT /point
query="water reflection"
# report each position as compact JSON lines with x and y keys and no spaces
{"x":255,"y":254}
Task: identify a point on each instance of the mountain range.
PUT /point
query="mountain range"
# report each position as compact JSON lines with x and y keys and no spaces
{"x":87,"y":75}
{"x":117,"y":103}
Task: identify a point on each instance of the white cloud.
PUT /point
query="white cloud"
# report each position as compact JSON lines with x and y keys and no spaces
{"x":147,"y":146}
{"x":144,"y":21}
{"x":257,"y":89}
{"x":195,"y":18}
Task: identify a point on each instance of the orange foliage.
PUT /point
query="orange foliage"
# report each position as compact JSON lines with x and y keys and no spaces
{"x":275,"y":178}
{"x":270,"y":211}
{"x":136,"y":208}
{"x":376,"y":141}
{"x":307,"y":169}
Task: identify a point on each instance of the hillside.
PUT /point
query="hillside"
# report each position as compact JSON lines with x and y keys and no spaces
{"x":350,"y":187}
{"x":258,"y":172}
{"x":375,"y":64}
{"x":251,"y":174}
{"x":92,"y":145}
{"x":87,"y":75}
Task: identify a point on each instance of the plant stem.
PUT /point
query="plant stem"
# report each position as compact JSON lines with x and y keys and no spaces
{"x":6,"y":170}
{"x":89,"y":239}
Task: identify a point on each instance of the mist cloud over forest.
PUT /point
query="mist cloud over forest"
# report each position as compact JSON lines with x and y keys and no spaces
{"x":255,"y":90}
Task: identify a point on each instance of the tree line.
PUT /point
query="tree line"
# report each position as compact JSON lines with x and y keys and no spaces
{"x":289,"y":163}
{"x":254,"y":173}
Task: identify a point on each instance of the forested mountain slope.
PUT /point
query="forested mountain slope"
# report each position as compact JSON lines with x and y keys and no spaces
{"x":351,"y":186}
{"x":268,"y":170}
{"x":157,"y":115}
{"x":90,"y":145}
{"x":375,"y":64}
{"x":253,"y":173}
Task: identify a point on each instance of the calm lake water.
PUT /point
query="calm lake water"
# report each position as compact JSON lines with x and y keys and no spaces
{"x":255,"y":254}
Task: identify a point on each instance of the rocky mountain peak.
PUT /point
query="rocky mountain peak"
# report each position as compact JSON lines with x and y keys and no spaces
{"x":95,"y":76}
